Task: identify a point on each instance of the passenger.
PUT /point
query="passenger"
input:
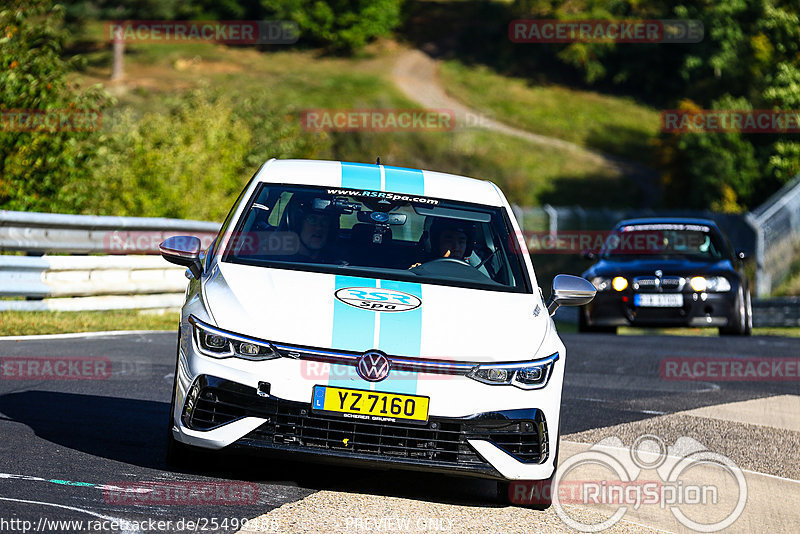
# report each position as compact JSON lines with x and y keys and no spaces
{"x":315,"y":230}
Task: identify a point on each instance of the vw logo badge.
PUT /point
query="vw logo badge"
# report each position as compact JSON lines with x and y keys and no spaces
{"x":373,"y":366}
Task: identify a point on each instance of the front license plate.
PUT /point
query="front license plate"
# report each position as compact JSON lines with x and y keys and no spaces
{"x":370,"y":405}
{"x":658,"y":301}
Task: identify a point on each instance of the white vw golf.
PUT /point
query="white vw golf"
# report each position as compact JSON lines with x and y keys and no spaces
{"x":371,"y":315}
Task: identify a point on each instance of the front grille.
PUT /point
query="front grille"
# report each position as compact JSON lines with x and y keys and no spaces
{"x":649,"y":284}
{"x":293,"y":425}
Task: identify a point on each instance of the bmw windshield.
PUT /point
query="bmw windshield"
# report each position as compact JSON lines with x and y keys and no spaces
{"x":376,"y":234}
{"x":664,"y":241}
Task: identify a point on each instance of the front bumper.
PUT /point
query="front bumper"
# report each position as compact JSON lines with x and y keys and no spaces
{"x":474,"y":429}
{"x":443,"y":444}
{"x":613,"y":308}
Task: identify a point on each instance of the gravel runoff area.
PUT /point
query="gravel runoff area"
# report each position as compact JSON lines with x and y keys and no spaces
{"x":337,"y":512}
{"x":777,"y":451}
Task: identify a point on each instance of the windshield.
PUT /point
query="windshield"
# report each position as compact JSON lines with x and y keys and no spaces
{"x":382,"y":235}
{"x":693,"y":241}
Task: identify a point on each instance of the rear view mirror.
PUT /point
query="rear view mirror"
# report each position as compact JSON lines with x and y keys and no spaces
{"x":570,"y":291}
{"x":183,"y":250}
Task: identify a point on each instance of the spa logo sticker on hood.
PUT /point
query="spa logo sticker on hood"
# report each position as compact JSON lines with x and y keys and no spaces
{"x":379,"y":300}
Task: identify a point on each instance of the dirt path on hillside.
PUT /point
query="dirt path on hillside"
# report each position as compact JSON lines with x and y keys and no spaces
{"x":416,"y":74}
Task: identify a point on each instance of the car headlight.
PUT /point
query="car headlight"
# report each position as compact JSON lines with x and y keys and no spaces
{"x":601,"y":283}
{"x":217,"y":343}
{"x":525,"y":375}
{"x":714,"y":284}
{"x":619,"y":283}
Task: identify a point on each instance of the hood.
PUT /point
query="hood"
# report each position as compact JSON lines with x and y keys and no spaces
{"x":353,"y":313}
{"x":678,"y":267}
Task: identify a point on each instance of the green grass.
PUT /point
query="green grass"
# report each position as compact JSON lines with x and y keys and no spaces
{"x":48,"y":322}
{"x":612,"y":124}
{"x":295,"y":80}
{"x":704,"y":332}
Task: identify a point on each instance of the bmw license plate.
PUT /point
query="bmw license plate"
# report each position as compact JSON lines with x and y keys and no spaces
{"x":658,"y":301}
{"x":370,"y":405}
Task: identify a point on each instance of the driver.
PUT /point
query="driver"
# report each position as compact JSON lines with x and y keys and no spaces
{"x":450,"y":238}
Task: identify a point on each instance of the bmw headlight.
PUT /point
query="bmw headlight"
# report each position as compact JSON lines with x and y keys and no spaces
{"x":212,"y":341}
{"x":525,"y":375}
{"x":713,"y":284}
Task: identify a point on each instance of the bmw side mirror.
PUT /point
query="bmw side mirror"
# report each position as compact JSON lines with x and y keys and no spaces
{"x":183,"y":250}
{"x":570,"y":291}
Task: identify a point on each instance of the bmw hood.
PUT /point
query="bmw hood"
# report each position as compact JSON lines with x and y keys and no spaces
{"x":358,"y":314}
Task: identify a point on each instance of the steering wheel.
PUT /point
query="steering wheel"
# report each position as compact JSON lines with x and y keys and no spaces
{"x":447,"y":260}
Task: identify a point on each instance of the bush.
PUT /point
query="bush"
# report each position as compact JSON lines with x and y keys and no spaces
{"x":189,"y":163}
{"x":36,"y":165}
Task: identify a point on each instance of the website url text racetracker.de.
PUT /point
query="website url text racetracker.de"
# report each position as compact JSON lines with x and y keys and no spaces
{"x":195,"y":525}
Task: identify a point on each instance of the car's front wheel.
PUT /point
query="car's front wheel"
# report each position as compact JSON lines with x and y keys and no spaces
{"x":741,"y":323}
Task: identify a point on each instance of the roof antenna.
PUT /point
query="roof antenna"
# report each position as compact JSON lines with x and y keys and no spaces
{"x":379,"y":161}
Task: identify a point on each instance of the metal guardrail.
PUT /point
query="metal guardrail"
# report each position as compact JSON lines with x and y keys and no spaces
{"x":129,"y":274}
{"x":84,"y":234}
{"x":777,"y":225}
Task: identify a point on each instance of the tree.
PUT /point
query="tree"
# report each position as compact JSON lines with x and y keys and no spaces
{"x":35,"y":165}
{"x":339,"y":25}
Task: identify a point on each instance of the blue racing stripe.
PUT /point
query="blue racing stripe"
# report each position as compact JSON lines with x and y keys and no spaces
{"x":361,"y":176}
{"x":406,"y":181}
{"x":401,"y":335}
{"x":353,"y":329}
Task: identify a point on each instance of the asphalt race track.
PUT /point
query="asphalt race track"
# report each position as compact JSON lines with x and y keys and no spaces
{"x":66,"y":444}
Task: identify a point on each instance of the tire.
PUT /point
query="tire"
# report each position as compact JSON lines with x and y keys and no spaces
{"x":584,"y":328}
{"x":177,"y":455}
{"x":742,"y":324}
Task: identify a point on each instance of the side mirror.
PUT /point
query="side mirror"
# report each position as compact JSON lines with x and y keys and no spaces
{"x":589,"y":255}
{"x":570,"y":291}
{"x":183,"y":250}
{"x":741,"y":254}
